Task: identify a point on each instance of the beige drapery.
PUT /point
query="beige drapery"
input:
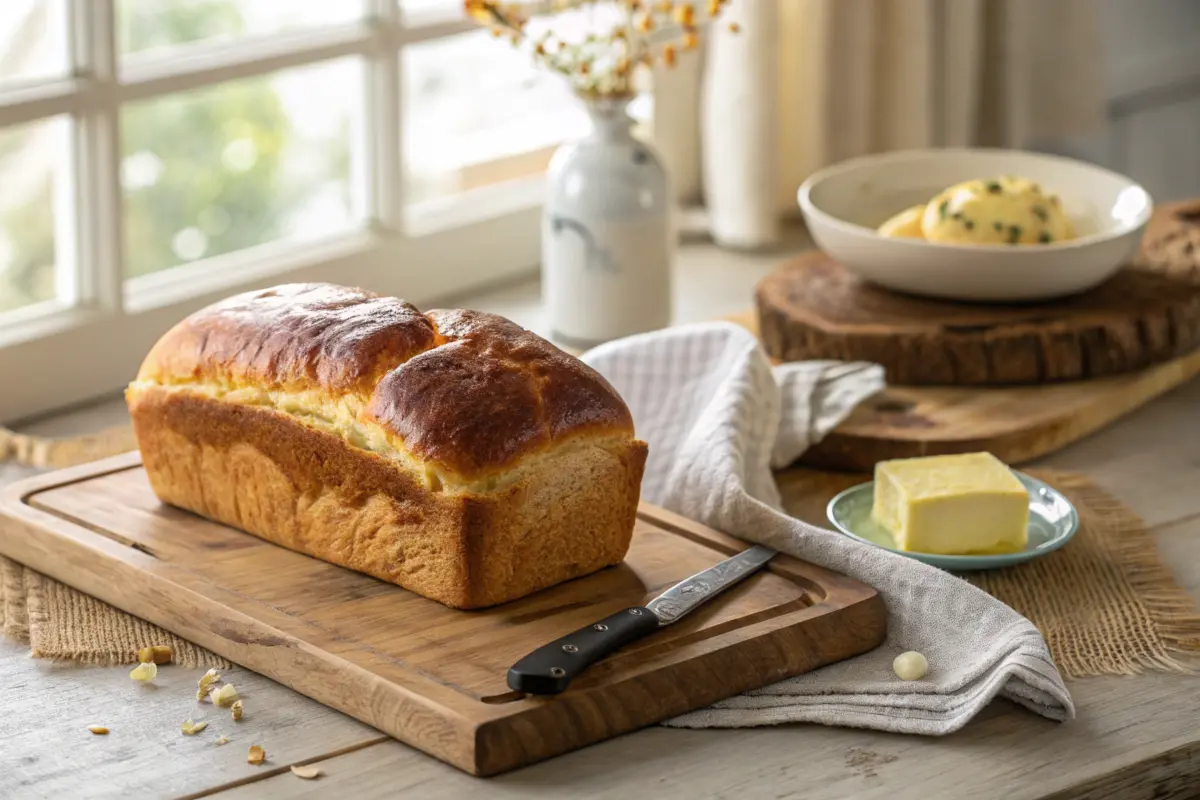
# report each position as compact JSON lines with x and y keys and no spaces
{"x":806,"y":83}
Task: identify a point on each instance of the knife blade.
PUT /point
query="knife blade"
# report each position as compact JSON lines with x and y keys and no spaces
{"x":552,"y":667}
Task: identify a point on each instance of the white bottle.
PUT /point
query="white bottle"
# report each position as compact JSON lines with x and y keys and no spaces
{"x":740,"y":125}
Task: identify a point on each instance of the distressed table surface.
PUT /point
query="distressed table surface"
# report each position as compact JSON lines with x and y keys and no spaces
{"x":1138,"y":734}
{"x":1134,"y":737}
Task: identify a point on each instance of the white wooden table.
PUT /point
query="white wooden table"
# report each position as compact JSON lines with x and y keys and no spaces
{"x":1134,"y":737}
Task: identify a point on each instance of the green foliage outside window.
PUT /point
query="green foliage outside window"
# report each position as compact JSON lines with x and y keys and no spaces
{"x":202,"y":170}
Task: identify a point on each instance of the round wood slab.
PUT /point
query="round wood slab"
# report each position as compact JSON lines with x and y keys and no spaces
{"x":813,"y":308}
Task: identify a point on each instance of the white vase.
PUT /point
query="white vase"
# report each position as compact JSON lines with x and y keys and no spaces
{"x":607,"y":234}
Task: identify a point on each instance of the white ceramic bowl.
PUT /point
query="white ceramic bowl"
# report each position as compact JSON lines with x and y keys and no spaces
{"x":845,"y":203}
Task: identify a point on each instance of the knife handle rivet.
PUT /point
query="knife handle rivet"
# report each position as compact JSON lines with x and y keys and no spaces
{"x":570,"y":648}
{"x":635,"y":611}
{"x":557,"y":672}
{"x":599,"y":627}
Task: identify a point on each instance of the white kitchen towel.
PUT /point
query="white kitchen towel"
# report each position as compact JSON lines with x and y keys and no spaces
{"x":718,"y":417}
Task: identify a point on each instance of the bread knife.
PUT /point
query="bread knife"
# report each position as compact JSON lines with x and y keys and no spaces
{"x":550,"y":668}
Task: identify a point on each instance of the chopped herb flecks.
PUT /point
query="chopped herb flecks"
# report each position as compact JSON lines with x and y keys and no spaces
{"x":968,"y":224}
{"x":1041,"y":213}
{"x":1014,"y":234}
{"x":957,"y":215}
{"x":942,"y":209}
{"x":998,"y":226}
{"x":994,"y":187}
{"x":1045,"y":238}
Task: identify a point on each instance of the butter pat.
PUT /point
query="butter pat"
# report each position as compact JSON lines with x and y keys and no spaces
{"x":968,"y":504}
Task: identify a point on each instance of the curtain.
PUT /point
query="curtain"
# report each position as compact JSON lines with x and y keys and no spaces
{"x":806,"y":83}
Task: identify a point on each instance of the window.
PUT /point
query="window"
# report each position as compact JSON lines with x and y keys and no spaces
{"x":157,"y":155}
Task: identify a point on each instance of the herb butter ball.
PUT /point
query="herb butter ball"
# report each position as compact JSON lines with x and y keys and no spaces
{"x":1004,"y":210}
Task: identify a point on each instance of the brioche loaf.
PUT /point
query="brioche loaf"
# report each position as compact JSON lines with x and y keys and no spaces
{"x":453,"y":453}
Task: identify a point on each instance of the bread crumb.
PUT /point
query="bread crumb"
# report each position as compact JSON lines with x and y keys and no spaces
{"x":207,"y":680}
{"x":256,"y":755}
{"x":99,"y":730}
{"x":307,"y":773}
{"x":144,"y":672}
{"x":223,"y":697}
{"x":155,"y":654}
{"x":190,"y":728}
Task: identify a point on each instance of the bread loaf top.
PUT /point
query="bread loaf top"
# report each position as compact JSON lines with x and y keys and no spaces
{"x":460,"y":395}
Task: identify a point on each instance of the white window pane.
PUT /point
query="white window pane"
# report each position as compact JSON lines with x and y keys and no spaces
{"x":419,"y":8}
{"x":240,"y":164}
{"x":476,"y":111}
{"x":32,"y":162}
{"x":153,"y":24}
{"x":33,"y":40}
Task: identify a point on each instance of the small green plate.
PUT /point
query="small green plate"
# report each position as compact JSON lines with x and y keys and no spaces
{"x":1052,"y":523}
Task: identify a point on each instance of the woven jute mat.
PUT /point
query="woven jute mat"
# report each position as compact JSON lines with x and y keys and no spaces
{"x":1106,"y":603}
{"x":57,"y":621}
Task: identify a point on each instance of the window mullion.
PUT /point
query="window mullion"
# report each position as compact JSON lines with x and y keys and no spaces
{"x":96,"y":153}
{"x":382,"y":130}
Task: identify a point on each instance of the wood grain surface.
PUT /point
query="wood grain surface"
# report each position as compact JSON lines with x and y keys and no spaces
{"x":813,"y":308}
{"x":429,"y":675}
{"x":1017,"y":423}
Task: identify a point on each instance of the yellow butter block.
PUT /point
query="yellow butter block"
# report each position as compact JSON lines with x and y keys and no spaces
{"x":968,"y":504}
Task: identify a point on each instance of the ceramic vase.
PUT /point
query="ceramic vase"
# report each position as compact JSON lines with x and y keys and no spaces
{"x":607,"y":233}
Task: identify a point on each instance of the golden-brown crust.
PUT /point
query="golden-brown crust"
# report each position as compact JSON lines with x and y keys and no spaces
{"x":491,"y":394}
{"x":264,"y":472}
{"x":470,"y":391}
{"x":295,"y":337}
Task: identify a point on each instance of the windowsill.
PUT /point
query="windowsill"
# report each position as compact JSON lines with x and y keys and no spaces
{"x":709,"y":282}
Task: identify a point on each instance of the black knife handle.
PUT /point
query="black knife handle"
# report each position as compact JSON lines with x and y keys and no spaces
{"x":550,"y":668}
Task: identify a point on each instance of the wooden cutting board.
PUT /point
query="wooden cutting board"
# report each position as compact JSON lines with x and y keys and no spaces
{"x":431,"y":676}
{"x":813,"y":308}
{"x":1016,"y":424}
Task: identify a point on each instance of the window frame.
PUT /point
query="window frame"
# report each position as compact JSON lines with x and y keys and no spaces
{"x":91,"y":339}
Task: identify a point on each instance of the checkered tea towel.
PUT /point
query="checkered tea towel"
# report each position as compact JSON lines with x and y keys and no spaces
{"x":718,"y":417}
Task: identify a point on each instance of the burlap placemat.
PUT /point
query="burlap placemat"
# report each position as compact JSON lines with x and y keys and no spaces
{"x":57,"y":621}
{"x":1106,"y":603}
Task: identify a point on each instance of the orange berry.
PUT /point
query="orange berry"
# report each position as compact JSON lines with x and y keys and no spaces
{"x":669,"y":55}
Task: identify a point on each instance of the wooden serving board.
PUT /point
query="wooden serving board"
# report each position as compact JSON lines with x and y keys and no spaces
{"x":813,"y":308}
{"x":431,"y":676}
{"x":1016,"y":424}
